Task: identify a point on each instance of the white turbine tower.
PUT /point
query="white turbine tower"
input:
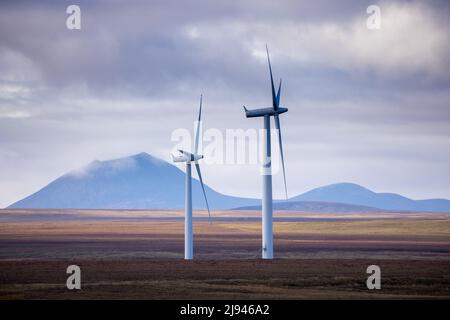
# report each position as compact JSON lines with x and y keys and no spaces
{"x":267,"y":211}
{"x":190,"y":158}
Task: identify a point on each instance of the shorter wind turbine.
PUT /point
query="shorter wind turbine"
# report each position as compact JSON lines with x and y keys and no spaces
{"x":190,"y":158}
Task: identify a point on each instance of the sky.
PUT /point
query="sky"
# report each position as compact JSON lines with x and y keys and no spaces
{"x":369,"y":106}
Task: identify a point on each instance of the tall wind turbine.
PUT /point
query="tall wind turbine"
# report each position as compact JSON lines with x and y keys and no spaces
{"x":267,"y":211}
{"x":190,"y":158}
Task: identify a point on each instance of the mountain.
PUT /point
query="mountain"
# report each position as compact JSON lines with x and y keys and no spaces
{"x":145,"y":182}
{"x":350,"y":193}
{"x":317,"y":206}
{"x":136,"y":182}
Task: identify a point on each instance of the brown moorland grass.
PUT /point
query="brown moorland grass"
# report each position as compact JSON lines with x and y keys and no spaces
{"x":142,"y":259}
{"x":228,"y":279}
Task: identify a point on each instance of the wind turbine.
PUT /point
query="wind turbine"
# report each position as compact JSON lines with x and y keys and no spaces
{"x":190,"y":158}
{"x":267,"y":202}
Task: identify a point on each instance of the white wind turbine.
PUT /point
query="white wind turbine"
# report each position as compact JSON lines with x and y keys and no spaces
{"x":190,"y":158}
{"x":267,"y":202}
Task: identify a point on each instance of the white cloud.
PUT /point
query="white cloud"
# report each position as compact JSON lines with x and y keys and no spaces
{"x":11,"y":91}
{"x":414,"y":38}
{"x":16,"y":67}
{"x":112,"y":166}
{"x":14,"y":114}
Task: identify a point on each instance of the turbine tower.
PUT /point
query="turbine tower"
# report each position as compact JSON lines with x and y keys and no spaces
{"x":190,"y":158}
{"x":267,"y":211}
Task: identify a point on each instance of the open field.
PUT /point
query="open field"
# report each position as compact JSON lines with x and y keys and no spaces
{"x":319,"y":255}
{"x":226,"y":279}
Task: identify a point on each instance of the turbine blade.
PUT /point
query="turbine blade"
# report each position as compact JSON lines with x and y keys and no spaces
{"x":277,"y":126}
{"x":197,"y":132}
{"x":197,"y":166}
{"x":278,"y":94}
{"x":274,"y":101}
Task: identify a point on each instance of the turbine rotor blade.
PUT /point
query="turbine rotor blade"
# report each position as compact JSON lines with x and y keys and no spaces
{"x":274,"y":101}
{"x":197,"y":166}
{"x":197,"y":132}
{"x":278,"y":94}
{"x":277,"y":126}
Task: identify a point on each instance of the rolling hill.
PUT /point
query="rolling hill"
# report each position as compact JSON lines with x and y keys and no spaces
{"x":351,"y":193}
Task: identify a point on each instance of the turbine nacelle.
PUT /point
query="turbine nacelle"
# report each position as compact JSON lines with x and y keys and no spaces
{"x":261,"y":112}
{"x":186,"y":157}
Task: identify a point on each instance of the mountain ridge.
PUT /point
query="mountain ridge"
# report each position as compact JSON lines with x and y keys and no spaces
{"x":142,"y":181}
{"x":351,"y":193}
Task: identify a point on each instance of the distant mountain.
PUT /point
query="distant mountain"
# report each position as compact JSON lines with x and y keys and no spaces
{"x":145,"y":182}
{"x":350,"y":193}
{"x":317,"y":206}
{"x":136,"y":182}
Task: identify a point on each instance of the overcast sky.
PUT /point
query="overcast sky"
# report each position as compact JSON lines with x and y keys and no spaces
{"x":365,"y":106}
